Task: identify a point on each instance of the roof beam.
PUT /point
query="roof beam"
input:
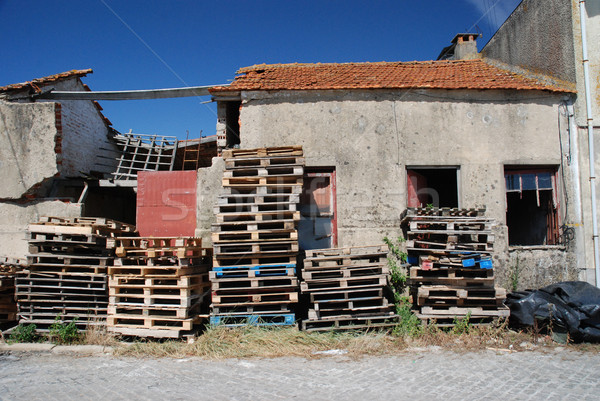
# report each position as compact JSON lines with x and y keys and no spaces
{"x":127,"y":95}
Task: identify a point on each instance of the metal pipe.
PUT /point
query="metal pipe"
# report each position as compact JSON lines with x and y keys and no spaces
{"x":590,"y":128}
{"x":575,"y":174}
{"x":128,"y":94}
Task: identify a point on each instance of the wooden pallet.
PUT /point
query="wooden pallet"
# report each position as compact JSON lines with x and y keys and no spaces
{"x":280,"y":151}
{"x":154,"y":271}
{"x":449,"y":225}
{"x":262,"y":282}
{"x":256,"y":208}
{"x":264,"y":171}
{"x":457,"y":296}
{"x":34,"y":280}
{"x":180,"y":298}
{"x":148,"y":311}
{"x":250,"y":309}
{"x":60,"y":239}
{"x":268,"y":225}
{"x":253,"y":271}
{"x":350,"y":309}
{"x":346,"y":294}
{"x":417,"y":245}
{"x":116,"y":322}
{"x":51,"y":259}
{"x":245,"y":162}
{"x":255,"y":259}
{"x":456,"y":311}
{"x":272,"y":180}
{"x":352,"y":251}
{"x":134,"y":282}
{"x":458,"y":273}
{"x":450,"y":321}
{"x":258,"y":319}
{"x":254,"y":236}
{"x":256,"y":199}
{"x":444,"y":211}
{"x":271,"y":189}
{"x":254,"y":248}
{"x":152,"y":247}
{"x":47,"y":309}
{"x":346,"y":271}
{"x":339,"y":262}
{"x":351,"y":323}
{"x":8,"y":317}
{"x":253,"y":298}
{"x":43,"y":323}
{"x":250,"y":217}
{"x":81,"y":226}
{"x":343,"y":283}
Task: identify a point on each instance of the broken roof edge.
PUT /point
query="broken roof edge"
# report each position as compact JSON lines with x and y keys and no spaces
{"x":46,"y":80}
{"x":544,"y":79}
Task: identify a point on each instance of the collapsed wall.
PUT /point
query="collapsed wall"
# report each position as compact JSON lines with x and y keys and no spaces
{"x":47,"y":149}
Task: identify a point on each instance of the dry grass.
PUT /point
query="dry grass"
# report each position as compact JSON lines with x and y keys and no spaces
{"x":250,"y":341}
{"x":96,"y":334}
{"x":246,"y":342}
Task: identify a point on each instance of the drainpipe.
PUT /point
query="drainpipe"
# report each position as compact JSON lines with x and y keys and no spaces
{"x":590,"y":128}
{"x":574,"y":165}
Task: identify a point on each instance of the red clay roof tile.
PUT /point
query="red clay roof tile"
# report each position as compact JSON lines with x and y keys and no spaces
{"x":46,"y":80}
{"x":446,"y":74}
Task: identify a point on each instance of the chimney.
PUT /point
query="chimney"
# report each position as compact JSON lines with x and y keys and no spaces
{"x":463,"y":47}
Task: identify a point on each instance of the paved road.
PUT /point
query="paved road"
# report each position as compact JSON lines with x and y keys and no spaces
{"x":416,"y":375}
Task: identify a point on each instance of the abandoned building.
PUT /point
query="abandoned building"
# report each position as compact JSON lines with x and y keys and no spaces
{"x":471,"y":130}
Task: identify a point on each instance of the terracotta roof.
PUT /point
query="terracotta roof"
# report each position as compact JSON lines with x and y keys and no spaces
{"x":46,"y":80}
{"x":443,"y":74}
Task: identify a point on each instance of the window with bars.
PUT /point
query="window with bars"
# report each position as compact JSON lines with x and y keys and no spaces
{"x":531,"y":206}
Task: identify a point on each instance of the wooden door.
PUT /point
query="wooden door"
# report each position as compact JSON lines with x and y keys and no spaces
{"x":318,"y":223}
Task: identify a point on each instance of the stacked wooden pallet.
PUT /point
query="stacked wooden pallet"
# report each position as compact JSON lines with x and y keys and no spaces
{"x":255,"y":238}
{"x":8,"y":305}
{"x":66,"y":271}
{"x":157,"y":286}
{"x":347,"y":288}
{"x":452,"y":274}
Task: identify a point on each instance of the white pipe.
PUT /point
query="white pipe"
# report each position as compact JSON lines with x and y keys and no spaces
{"x":574,"y":165}
{"x":590,"y":127}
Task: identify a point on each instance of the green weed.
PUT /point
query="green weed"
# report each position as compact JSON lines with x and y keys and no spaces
{"x":62,"y":333}
{"x":24,"y":333}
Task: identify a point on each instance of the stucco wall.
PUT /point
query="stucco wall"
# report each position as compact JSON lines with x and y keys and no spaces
{"x":537,"y":36}
{"x":15,"y":218}
{"x":371,"y":137}
{"x":27,"y":146}
{"x":209,"y":188}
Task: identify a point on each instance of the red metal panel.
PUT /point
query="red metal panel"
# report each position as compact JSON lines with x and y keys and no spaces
{"x":415,"y":183}
{"x":166,"y":203}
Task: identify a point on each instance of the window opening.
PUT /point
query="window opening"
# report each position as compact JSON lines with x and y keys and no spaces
{"x":436,"y":187}
{"x":531,"y":207}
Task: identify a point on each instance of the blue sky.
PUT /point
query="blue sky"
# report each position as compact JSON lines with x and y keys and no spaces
{"x":135,"y":44}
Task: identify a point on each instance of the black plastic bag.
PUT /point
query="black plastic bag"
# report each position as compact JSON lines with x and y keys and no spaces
{"x":570,"y":306}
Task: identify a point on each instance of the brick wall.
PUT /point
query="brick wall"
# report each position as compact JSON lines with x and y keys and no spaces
{"x":82,"y":133}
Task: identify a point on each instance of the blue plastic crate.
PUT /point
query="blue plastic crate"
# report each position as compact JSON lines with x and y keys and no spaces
{"x":260,"y":270}
{"x":486,"y":263}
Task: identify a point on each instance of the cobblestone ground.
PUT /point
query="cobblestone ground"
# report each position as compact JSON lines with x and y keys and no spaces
{"x":419,"y":375}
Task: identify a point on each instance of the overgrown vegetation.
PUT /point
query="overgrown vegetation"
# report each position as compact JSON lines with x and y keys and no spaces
{"x":24,"y":333}
{"x":61,"y":333}
{"x":409,"y":324}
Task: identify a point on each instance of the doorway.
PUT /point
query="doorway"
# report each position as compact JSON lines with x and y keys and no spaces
{"x":318,"y":212}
